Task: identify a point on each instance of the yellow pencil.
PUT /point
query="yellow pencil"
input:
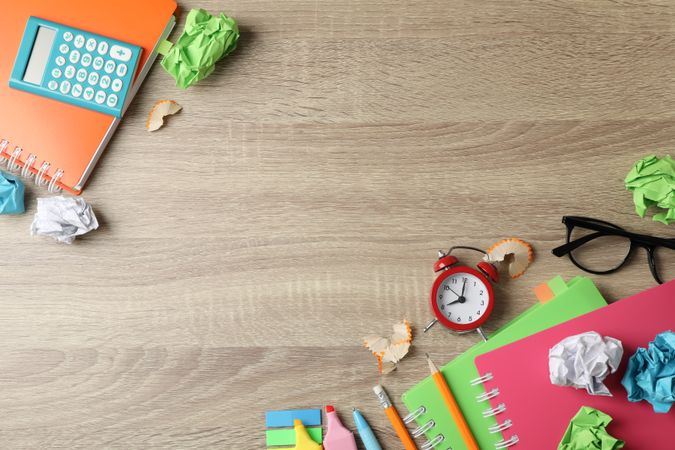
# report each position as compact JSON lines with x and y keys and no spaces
{"x":451,"y":403}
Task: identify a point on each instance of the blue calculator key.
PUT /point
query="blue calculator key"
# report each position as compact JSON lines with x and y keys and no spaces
{"x":121,"y":70}
{"x":86,"y":60}
{"x":60,"y":60}
{"x":102,"y":48}
{"x":76,"y":91}
{"x":81,"y":75}
{"x":116,"y":85}
{"x":112,"y":100}
{"x":67,"y":36}
{"x":98,"y":63}
{"x":53,"y":85}
{"x":79,"y":41}
{"x":56,"y":72}
{"x":105,"y":82}
{"x":109,"y":66}
{"x":63,"y":48}
{"x":90,"y":45}
{"x":88,"y":93}
{"x":69,"y":72}
{"x":93,"y":78}
{"x":65,"y":87}
{"x":100,"y":97}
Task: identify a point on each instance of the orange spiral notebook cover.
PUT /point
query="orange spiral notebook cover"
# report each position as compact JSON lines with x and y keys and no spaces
{"x":67,"y":139}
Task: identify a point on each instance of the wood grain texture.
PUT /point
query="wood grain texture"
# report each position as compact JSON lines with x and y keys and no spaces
{"x":297,"y":203}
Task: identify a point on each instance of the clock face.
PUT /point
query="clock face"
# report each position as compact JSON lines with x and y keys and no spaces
{"x":464,"y":299}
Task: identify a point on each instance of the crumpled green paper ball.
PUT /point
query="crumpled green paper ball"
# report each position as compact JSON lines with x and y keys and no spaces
{"x":205,"y":40}
{"x":586,"y":431}
{"x":651,"y":373}
{"x":652,"y":181}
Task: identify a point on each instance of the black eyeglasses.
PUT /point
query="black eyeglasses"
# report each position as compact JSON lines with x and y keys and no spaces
{"x":600,"y":247}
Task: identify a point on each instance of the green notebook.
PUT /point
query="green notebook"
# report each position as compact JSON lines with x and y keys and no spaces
{"x":573,"y":299}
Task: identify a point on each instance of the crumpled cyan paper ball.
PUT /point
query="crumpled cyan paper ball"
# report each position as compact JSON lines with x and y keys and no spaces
{"x":652,"y":181}
{"x":587,"y":431}
{"x":584,"y":361}
{"x":205,"y":40}
{"x":651,"y":373}
{"x":63,"y":218}
{"x":11,"y":194}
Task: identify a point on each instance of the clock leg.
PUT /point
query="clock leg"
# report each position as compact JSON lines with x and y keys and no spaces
{"x":430,"y":324}
{"x":482,"y":333}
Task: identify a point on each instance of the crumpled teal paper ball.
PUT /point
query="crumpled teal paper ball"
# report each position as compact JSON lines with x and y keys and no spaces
{"x":205,"y":40}
{"x":651,"y":373}
{"x":11,"y":194}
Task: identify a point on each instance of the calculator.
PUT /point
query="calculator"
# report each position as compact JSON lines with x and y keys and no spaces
{"x":75,"y":66}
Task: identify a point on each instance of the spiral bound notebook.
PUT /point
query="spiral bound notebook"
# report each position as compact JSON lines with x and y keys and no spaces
{"x":538,"y":412}
{"x":55,"y":143}
{"x":426,"y":407}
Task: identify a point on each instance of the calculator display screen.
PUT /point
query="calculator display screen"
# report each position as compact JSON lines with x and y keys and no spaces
{"x":39,"y":55}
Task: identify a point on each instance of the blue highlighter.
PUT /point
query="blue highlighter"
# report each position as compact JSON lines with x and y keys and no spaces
{"x":365,"y":432}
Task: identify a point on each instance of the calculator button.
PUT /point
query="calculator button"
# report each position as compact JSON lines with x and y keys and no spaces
{"x":79,"y":41}
{"x":67,"y":36}
{"x":65,"y":87}
{"x":121,"y":70}
{"x":90,"y":45}
{"x":63,"y":48}
{"x":86,"y":60}
{"x":88,"y":93}
{"x":105,"y":82}
{"x":112,"y":100}
{"x":77,"y":90}
{"x":109,"y":66}
{"x":52,"y":85}
{"x":74,"y":56}
{"x":56,"y":72}
{"x":60,"y":60}
{"x":102,"y":48}
{"x":100,"y":97}
{"x":69,"y":72}
{"x":117,"y":85}
{"x":98,"y":63}
{"x":93,"y":78}
{"x":81,"y":75}
{"x":120,"y":53}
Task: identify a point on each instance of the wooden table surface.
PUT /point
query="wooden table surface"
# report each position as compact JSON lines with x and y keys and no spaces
{"x":297,"y":204}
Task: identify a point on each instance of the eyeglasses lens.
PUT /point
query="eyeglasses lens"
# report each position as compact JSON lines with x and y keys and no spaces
{"x":665,"y":263}
{"x":600,"y":254}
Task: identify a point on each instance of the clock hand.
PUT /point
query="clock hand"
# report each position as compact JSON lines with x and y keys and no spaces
{"x":463,"y":288}
{"x":454,"y":292}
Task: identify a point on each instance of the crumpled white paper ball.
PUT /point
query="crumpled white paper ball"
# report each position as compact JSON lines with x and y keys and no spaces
{"x":584,"y":361}
{"x":63,"y":218}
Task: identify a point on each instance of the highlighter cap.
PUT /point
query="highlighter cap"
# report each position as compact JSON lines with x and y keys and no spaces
{"x":330,"y":409}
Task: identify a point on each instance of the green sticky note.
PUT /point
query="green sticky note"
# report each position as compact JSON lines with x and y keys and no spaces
{"x":587,"y":431}
{"x":205,"y":40}
{"x":286,"y":436}
{"x":652,"y":181}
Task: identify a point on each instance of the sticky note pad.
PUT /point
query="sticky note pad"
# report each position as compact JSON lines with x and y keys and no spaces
{"x":276,"y":419}
{"x":286,"y":436}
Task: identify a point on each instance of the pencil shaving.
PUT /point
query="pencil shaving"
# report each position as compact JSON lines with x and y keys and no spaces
{"x":159,"y":111}
{"x":514,"y":253}
{"x":389,"y":351}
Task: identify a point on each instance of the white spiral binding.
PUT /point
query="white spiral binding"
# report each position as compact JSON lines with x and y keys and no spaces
{"x":487,"y":395}
{"x":12,"y":166}
{"x":26,"y":168}
{"x":414,"y":415}
{"x":25,"y":172}
{"x":498,"y":428}
{"x":433,"y":443}
{"x":491,"y":412}
{"x":506,"y":443}
{"x":423,"y":429}
{"x":481,"y":380}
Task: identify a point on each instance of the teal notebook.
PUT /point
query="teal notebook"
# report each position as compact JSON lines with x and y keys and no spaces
{"x":427,"y":408}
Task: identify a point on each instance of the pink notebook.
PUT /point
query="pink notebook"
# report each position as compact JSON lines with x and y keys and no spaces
{"x":540,"y":412}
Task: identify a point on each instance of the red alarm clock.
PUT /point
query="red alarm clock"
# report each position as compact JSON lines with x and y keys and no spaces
{"x":462,"y":297}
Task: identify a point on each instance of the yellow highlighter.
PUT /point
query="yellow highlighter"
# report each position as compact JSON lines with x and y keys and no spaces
{"x":302,"y":439}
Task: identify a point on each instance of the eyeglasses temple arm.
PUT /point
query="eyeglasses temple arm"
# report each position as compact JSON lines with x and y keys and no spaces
{"x":573,"y":245}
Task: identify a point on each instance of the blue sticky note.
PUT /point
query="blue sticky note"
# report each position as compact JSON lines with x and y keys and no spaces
{"x":309,"y":417}
{"x":11,"y":194}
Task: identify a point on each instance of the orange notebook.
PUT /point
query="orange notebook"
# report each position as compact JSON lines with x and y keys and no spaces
{"x":64,"y":140}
